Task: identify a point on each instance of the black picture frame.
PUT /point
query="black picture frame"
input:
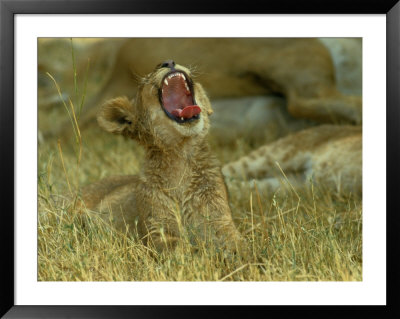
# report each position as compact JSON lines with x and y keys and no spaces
{"x":8,"y":10}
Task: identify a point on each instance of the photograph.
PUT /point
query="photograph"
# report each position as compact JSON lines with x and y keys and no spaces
{"x":199,"y":159}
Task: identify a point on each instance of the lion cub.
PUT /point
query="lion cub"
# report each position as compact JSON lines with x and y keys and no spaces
{"x":180,"y":177}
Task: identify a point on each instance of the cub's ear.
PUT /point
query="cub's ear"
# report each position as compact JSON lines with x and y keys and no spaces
{"x":116,"y":116}
{"x":202,"y":99}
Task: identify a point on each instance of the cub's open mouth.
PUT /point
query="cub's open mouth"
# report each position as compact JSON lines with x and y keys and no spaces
{"x":177,"y":98}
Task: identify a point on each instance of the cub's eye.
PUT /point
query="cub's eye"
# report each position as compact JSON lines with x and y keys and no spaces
{"x":162,"y":65}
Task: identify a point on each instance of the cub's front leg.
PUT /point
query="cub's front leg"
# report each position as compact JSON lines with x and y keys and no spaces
{"x":209,"y":217}
{"x":159,"y":215}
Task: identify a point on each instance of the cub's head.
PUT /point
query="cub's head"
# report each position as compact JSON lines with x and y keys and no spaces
{"x":169,"y":108}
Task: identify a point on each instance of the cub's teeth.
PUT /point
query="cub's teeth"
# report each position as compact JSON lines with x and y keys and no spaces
{"x":173,"y":75}
{"x":181,"y":118}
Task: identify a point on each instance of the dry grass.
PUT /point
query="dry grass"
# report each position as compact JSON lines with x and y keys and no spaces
{"x":309,"y":234}
{"x":295,"y":235}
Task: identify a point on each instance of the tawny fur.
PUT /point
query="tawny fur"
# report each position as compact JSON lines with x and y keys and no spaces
{"x":329,"y":155}
{"x":300,"y":69}
{"x":180,"y":187}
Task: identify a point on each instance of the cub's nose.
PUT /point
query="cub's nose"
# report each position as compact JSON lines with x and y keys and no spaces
{"x":168,"y":64}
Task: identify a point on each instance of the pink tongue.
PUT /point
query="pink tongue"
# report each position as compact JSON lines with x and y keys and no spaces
{"x":188,"y":112}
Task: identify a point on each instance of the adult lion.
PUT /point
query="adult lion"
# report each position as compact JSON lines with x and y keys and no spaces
{"x":300,"y":69}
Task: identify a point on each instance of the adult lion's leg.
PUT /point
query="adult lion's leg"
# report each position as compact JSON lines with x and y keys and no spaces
{"x":333,"y":108}
{"x":303,"y":71}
